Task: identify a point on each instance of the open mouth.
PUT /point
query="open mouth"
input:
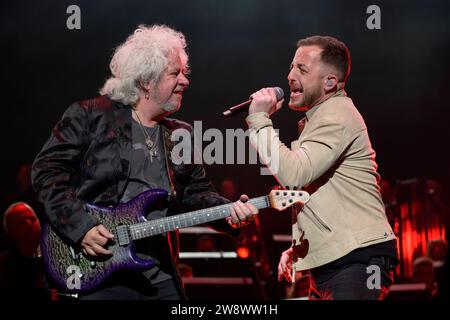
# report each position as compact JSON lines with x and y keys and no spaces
{"x":296,"y":92}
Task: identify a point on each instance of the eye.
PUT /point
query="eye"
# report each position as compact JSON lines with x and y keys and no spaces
{"x":187,"y":72}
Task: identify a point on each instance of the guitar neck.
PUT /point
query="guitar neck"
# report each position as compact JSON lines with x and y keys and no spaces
{"x":189,"y":219}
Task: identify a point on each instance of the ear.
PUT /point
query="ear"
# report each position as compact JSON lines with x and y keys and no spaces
{"x":146,"y":87}
{"x":331,"y":82}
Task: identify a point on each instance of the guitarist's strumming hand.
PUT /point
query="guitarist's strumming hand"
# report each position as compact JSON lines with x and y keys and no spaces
{"x":242,"y":213}
{"x":94,"y":241}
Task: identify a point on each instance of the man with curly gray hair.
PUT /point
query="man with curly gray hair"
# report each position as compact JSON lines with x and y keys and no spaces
{"x":151,"y":49}
{"x":109,"y":149}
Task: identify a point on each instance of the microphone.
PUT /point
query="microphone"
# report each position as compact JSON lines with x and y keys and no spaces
{"x":279,"y":93}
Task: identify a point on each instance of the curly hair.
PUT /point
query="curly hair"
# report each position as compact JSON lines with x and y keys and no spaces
{"x":140,"y":59}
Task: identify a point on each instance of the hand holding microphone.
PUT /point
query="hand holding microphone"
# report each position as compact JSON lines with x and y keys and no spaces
{"x":265,"y":100}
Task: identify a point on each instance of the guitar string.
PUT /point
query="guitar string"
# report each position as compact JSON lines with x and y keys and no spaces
{"x":149,"y":228}
{"x":256,"y":201}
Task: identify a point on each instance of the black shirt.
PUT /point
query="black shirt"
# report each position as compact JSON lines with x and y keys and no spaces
{"x":148,"y":171}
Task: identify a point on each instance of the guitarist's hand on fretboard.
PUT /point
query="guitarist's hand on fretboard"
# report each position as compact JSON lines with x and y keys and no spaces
{"x":242,"y":212}
{"x":94,"y":241}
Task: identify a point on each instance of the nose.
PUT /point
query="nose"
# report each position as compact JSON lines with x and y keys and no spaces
{"x":289,"y":77}
{"x":184,"y":81}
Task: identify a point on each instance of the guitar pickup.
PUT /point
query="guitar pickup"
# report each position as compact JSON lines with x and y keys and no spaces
{"x":123,"y":236}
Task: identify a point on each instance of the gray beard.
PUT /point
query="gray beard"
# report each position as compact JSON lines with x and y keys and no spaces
{"x":169,"y":107}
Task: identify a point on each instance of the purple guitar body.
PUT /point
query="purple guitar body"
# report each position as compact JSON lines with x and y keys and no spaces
{"x":64,"y":264}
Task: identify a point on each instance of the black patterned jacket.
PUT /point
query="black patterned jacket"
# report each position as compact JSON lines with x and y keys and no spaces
{"x":87,"y":159}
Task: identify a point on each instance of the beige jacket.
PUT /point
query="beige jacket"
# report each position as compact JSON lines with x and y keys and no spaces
{"x":334,"y":161}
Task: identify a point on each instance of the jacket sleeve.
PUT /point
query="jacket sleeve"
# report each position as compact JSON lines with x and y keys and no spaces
{"x":53,"y":170}
{"x":318,"y":152}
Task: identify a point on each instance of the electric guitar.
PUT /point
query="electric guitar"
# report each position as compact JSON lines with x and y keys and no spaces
{"x":69,"y":270}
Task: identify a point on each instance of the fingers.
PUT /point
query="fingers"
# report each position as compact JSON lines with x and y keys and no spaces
{"x":94,"y":241}
{"x":104,"y":232}
{"x":100,"y":251}
{"x":89,"y":252}
{"x":253,"y":210}
{"x":99,"y":239}
{"x":265,"y":95}
{"x":278,"y":106}
{"x":241,"y":213}
{"x":285,"y":270}
{"x":280,"y":271}
{"x":233,"y":218}
{"x":264,"y":100}
{"x":229,"y":220}
{"x":288,"y":272}
{"x":244,"y":211}
{"x":93,"y":249}
{"x":282,"y":268}
{"x":241,"y":210}
{"x":243,"y":198}
{"x":285,"y":266}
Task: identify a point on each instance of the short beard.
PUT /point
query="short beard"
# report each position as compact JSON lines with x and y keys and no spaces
{"x":170,"y":107}
{"x":311,"y":98}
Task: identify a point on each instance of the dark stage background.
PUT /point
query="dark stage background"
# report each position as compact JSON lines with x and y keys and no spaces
{"x":399,"y":80}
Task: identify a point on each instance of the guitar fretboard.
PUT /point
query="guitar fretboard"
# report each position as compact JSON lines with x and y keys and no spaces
{"x":163,"y":225}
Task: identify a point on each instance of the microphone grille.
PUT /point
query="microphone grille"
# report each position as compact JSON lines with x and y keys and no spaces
{"x":279,"y":93}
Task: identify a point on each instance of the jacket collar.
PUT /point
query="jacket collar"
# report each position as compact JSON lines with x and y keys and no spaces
{"x":310,"y":112}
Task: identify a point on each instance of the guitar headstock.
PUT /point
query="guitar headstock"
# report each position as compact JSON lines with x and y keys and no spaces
{"x":283,"y":199}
